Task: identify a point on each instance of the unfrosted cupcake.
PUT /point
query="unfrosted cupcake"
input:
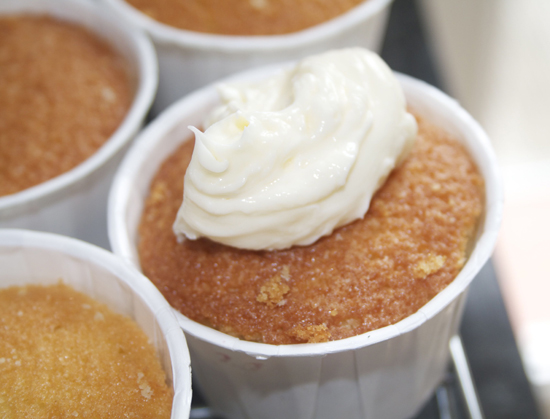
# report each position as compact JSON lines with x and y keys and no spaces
{"x":244,"y":17}
{"x":64,"y":352}
{"x":63,"y":90}
{"x":226,"y":37}
{"x":85,"y":335}
{"x":75,"y":86}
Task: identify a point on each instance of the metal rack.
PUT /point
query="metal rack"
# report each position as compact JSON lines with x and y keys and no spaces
{"x":455,"y":398}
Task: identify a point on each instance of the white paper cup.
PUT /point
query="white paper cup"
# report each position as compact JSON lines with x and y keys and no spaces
{"x":28,"y":257}
{"x":189,"y":60}
{"x":387,"y":373}
{"x":74,"y":203}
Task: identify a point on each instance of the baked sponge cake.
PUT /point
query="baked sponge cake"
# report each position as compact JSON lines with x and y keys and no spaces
{"x":367,"y":274}
{"x":66,"y":355}
{"x":374,"y":272}
{"x":244,"y":17}
{"x":63,"y":93}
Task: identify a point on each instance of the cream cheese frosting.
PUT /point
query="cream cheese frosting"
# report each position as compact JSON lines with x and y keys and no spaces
{"x":286,"y":160}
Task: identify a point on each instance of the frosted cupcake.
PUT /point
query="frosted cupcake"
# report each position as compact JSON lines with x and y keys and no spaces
{"x":287,"y":259}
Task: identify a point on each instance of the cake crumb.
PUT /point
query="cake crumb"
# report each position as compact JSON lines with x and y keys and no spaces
{"x":146,"y":391}
{"x":273,"y":290}
{"x":108,"y":94}
{"x":158,"y":193}
{"x":258,"y":4}
{"x":285,"y":272}
{"x":145,"y":388}
{"x":428,"y":266}
{"x":311,"y":334}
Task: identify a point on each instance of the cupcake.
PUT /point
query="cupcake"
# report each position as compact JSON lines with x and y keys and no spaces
{"x":244,"y":18}
{"x":93,"y":336}
{"x":190,"y":57}
{"x":75,"y":87}
{"x":64,"y":92}
{"x":310,"y":315}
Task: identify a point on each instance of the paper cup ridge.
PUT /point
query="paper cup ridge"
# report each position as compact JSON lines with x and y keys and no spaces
{"x":384,"y":374}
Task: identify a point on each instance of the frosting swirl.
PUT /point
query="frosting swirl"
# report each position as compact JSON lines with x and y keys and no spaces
{"x":286,"y":160}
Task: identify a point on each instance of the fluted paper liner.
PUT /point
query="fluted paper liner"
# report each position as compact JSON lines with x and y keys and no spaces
{"x":73,"y":203}
{"x":28,"y":257}
{"x":387,"y":373}
{"x":189,"y":60}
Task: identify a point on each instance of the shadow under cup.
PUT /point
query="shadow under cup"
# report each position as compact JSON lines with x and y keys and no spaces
{"x":387,"y":373}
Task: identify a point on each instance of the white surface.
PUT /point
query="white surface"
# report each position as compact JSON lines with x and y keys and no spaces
{"x":387,"y":373}
{"x":495,"y":57}
{"x":39,"y":258}
{"x":189,"y":60}
{"x":74,"y":202}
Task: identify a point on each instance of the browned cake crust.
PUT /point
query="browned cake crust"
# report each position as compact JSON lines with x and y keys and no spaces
{"x":369,"y":274}
{"x":63,"y":92}
{"x":64,"y":355}
{"x":243,"y":17}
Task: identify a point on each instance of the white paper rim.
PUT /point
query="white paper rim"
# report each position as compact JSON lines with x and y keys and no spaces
{"x":129,"y":275}
{"x":144,"y":95}
{"x":419,"y":94}
{"x":166,"y":34}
